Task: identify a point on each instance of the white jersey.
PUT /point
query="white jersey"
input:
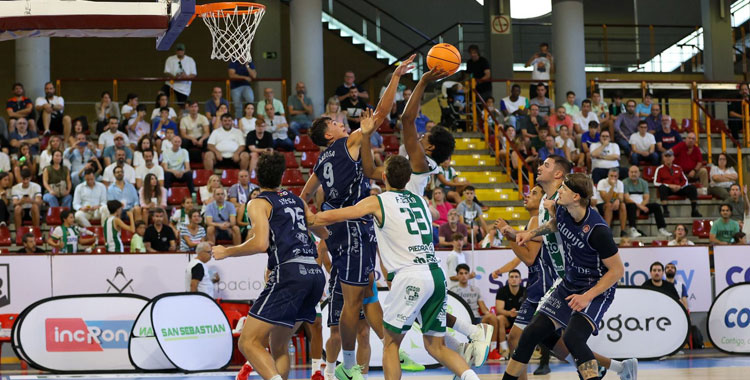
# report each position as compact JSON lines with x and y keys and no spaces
{"x":112,"y":236}
{"x":552,"y":242}
{"x":418,"y":181}
{"x":405,"y":231}
{"x":205,"y":285}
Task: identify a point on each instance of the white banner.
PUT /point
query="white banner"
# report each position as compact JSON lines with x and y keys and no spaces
{"x":78,"y":333}
{"x":23,"y":281}
{"x":240,"y":278}
{"x":729,"y":320}
{"x":642,"y":332}
{"x":731,"y":265}
{"x":146,"y":274}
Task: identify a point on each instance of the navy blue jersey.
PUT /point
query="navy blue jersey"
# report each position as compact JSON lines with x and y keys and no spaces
{"x":583,"y":260}
{"x":341,"y":177}
{"x":542,"y":276}
{"x":288,"y":226}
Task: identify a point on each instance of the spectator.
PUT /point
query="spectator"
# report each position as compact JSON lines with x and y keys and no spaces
{"x":124,"y":192}
{"x":670,"y":270}
{"x":159,"y":237}
{"x":570,"y":104}
{"x":625,"y":125}
{"x":722,"y":229}
{"x":566,"y":143}
{"x":28,"y":244}
{"x":680,"y":236}
{"x":194,"y":128}
{"x":181,"y":215}
{"x":599,"y":107}
{"x":197,"y":275}
{"x":239,"y":193}
{"x":181,"y":68}
{"x":50,"y":108}
{"x":136,"y":242}
{"x":666,"y":137}
{"x":6,"y":192}
{"x":441,"y":206}
{"x":176,"y":166}
{"x":605,"y":155}
{"x":541,"y":100}
{"x":206,"y":192}
{"x":537,"y":143}
{"x":5,"y":164}
{"x":56,"y":180}
{"x":243,"y":221}
{"x":722,"y":177}
{"x":471,"y":213}
{"x":109,"y":177}
{"x":447,"y":178}
{"x":522,"y":153}
{"x":455,"y":258}
{"x":193,"y":233}
{"x":45,"y":159}
{"x":542,"y":64}
{"x":550,"y":148}
{"x":221,"y":220}
{"x":145,"y":144}
{"x":353,"y":106}
{"x":300,"y":109}
{"x":643,"y":110}
{"x":24,"y":160}
{"x":225,"y":146}
{"x":637,"y":200}
{"x":81,"y":125}
{"x":138,"y":127}
{"x":216,"y":120}
{"x":277,"y":125}
{"x":670,"y":180}
{"x":510,"y":135}
{"x":240,"y":77}
{"x":278,"y":106}
{"x":19,"y":106}
{"x":21,"y":135}
{"x":162,"y":101}
{"x":657,"y":283}
{"x":740,"y":238}
{"x":689,"y":157}
{"x":80,"y":157}
{"x":654,"y":119}
{"x":612,"y":192}
{"x":734,"y":109}
{"x":257,"y":142}
{"x":514,"y":105}
{"x":66,"y":237}
{"x":560,"y":118}
{"x":643,"y":146}
{"x":247,"y":122}
{"x":213,"y":103}
{"x":447,"y":230}
{"x":152,"y":196}
{"x":333,"y":112}
{"x":508,"y":301}
{"x":114,"y":225}
{"x":480,"y":311}
{"x":344,"y":90}
{"x":738,"y":202}
{"x":616,"y":108}
{"x":479,"y":68}
{"x":27,"y":200}
{"x":128,"y":110}
{"x":160,"y":124}
{"x":584,"y":118}
{"x":110,"y":152}
{"x":589,"y":138}
{"x":150,"y":167}
{"x":107,"y":138}
{"x":378,"y":150}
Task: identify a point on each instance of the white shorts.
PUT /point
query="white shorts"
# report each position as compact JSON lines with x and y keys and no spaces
{"x":417,"y":293}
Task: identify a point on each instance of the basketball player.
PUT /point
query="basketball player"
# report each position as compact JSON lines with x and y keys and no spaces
{"x":351,"y":242}
{"x":296,"y":282}
{"x":424,"y":153}
{"x":418,"y":293}
{"x":577,"y":302}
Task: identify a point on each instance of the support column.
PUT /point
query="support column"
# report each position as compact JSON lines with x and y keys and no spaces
{"x":500,"y":47}
{"x":568,"y":48}
{"x":306,"y":47}
{"x":32,"y":64}
{"x":718,"y":64}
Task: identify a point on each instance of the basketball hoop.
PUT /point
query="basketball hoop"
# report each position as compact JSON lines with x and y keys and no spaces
{"x":232,"y":27}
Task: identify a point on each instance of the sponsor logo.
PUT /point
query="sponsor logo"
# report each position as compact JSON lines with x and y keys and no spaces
{"x":4,"y":285}
{"x":77,"y":335}
{"x":737,"y":318}
{"x":638,"y":277}
{"x":614,"y":325}
{"x":119,"y":283}
{"x":586,"y":228}
{"x":412,"y":293}
{"x":734,"y":275}
{"x":193,"y":332}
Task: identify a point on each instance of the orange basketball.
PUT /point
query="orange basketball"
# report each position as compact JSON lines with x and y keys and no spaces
{"x":444,"y":56}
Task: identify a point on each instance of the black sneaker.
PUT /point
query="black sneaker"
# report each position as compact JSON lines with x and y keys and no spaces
{"x":666,"y":212}
{"x":542,"y":370}
{"x":623,"y":233}
{"x":696,"y":214}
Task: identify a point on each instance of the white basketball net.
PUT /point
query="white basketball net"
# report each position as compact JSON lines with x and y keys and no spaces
{"x":232,"y":31}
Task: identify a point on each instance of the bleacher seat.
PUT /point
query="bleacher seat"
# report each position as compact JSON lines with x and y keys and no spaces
{"x":291,"y":161}
{"x":303,"y":143}
{"x":23,"y":230}
{"x":229,"y":177}
{"x":7,"y":321}
{"x":636,"y":243}
{"x":309,"y":159}
{"x":292,"y":177}
{"x":200,"y":177}
{"x":660,"y":243}
{"x":175,"y":195}
{"x":296,"y":190}
{"x":579,"y":169}
{"x":53,"y":216}
{"x":701,"y":228}
{"x":126,"y":236}
{"x":648,"y":173}
{"x":676,"y":198}
{"x":718,"y":125}
{"x":98,"y":232}
{"x":390,"y":143}
{"x":385,"y":128}
{"x":4,"y":251}
{"x":5,"y":240}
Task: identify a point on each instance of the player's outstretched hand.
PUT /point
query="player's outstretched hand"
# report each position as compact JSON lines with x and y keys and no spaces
{"x":405,"y":66}
{"x":523,"y":237}
{"x":435,"y":74}
{"x":367,"y":122}
{"x":578,"y":302}
{"x":219,"y":252}
{"x":550,"y":204}
{"x":509,"y":232}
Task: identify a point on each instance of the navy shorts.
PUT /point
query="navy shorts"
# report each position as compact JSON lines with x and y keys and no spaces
{"x":336,"y":300}
{"x":525,"y":313}
{"x":291,"y":294}
{"x":353,"y":248}
{"x":556,"y":306}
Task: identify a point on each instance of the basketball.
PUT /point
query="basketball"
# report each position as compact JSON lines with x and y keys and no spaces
{"x":444,"y":56}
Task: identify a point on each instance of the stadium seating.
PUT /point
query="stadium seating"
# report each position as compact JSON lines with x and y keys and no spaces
{"x":701,"y":228}
{"x":390,"y":143}
{"x":292,"y":177}
{"x":98,"y":231}
{"x":291,"y":161}
{"x":200,"y":177}
{"x":53,"y":216}
{"x":5,"y":239}
{"x":23,"y":230}
{"x":309,"y":159}
{"x":303,"y":143}
{"x":229,"y":177}
{"x":175,"y":195}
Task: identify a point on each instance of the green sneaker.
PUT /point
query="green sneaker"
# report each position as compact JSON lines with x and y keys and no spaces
{"x":407,"y":364}
{"x":354,"y":373}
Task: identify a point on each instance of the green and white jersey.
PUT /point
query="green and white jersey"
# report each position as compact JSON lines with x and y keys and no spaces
{"x":419,"y":181}
{"x":552,"y":242}
{"x":405,"y":231}
{"x":69,"y":236}
{"x":112,"y":236}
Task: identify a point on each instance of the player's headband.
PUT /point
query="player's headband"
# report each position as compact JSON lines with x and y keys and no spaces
{"x":577,"y":188}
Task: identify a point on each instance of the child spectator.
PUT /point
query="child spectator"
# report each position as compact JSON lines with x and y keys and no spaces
{"x":136,"y":242}
{"x":470,"y":213}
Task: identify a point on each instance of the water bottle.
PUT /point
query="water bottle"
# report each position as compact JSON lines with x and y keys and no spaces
{"x":292,"y":352}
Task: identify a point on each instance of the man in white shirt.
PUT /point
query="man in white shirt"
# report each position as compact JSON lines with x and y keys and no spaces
{"x":107,"y":138}
{"x":108,"y":176}
{"x":455,"y":257}
{"x":542,"y":63}
{"x":27,"y":200}
{"x":226,"y":146}
{"x":50,"y":108}
{"x":604,"y":155}
{"x":128,"y":109}
{"x":514,"y":105}
{"x":150,"y":168}
{"x":643,"y":146}
{"x":197,"y":276}
{"x":582,"y":120}
{"x":181,"y":68}
{"x":612,"y":192}
{"x":194,"y":128}
{"x":90,"y":200}
{"x":176,"y":164}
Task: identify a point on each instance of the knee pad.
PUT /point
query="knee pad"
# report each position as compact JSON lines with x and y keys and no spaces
{"x":537,"y":331}
{"x":551,"y":341}
{"x":575,"y":337}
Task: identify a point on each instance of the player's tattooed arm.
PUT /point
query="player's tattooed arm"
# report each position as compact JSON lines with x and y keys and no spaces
{"x":546,"y":228}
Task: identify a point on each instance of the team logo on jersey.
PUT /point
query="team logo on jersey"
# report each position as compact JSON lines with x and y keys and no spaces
{"x":333,"y":194}
{"x":119,"y":282}
{"x":586,"y":229}
{"x":412,"y":293}
{"x":302,"y":237}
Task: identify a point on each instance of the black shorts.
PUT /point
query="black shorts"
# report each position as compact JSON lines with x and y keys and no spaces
{"x":223,"y":234}
{"x":226,"y":163}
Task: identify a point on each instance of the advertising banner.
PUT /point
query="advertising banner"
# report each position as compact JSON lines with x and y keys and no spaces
{"x":240,"y":278}
{"x":731,"y":265}
{"x":657,"y":329}
{"x":23,"y":281}
{"x":86,"y":333}
{"x":144,"y":350}
{"x":729,"y":320}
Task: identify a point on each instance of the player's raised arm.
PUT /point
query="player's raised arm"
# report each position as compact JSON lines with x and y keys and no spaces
{"x":311,"y":186}
{"x":408,"y":120}
{"x":320,"y":232}
{"x":528,"y":252}
{"x":367,"y":206}
{"x":258,"y":211}
{"x":367,"y":126}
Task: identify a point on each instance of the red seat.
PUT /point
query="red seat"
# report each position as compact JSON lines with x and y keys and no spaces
{"x":233,"y":317}
{"x":701,"y":228}
{"x":390,"y":143}
{"x":200,"y":177}
{"x":304,"y":143}
{"x":53,"y":216}
{"x":175,"y":195}
{"x":6,"y":322}
{"x":636,"y":244}
{"x":659,"y":243}
{"x":5,"y":240}
{"x":4,"y":251}
{"x":687,"y":124}
{"x":309,"y":159}
{"x":648,"y":173}
{"x":674,"y":125}
{"x":717,"y":126}
{"x":237,"y":306}
{"x":642,"y":216}
{"x":579,"y":169}
{"x":126,"y":236}
{"x":292,"y":177}
{"x":229,"y":177}
{"x":38,"y":238}
{"x":385,"y":128}
{"x":98,"y":232}
{"x":296,"y":190}
{"x":676,"y":198}
{"x":291,"y":161}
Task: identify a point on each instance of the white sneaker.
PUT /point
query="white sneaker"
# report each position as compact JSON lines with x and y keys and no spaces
{"x":634,"y":232}
{"x":465,"y":350}
{"x":630,"y":370}
{"x":480,"y":342}
{"x":664,"y":232}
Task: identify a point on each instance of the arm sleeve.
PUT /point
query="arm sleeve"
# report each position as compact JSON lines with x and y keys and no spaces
{"x":601,"y":240}
{"x":196,"y":273}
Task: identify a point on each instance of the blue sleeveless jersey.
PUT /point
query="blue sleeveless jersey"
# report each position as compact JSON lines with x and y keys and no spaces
{"x":341,"y":177}
{"x":583,"y":266}
{"x":288,"y":227}
{"x":542,"y":275}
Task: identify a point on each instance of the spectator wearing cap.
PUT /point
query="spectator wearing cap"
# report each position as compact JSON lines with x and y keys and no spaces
{"x":240,"y":77}
{"x":181,"y":69}
{"x":108,"y":155}
{"x":27,"y":200}
{"x":671,"y":180}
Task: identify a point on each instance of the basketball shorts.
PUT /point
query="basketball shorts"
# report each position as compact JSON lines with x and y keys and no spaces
{"x":353,"y":248}
{"x":555,"y":306}
{"x":525,"y":313}
{"x":418,"y":293}
{"x":290,"y":296}
{"x":336,"y":300}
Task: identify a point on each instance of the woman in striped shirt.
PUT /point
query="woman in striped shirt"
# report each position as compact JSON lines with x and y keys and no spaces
{"x":192,"y":234}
